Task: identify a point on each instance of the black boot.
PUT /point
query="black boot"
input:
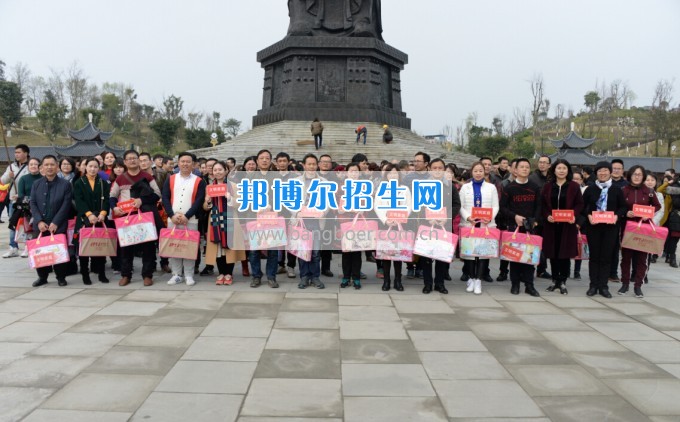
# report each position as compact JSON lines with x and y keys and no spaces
{"x":441,"y":289}
{"x":102,"y":277}
{"x":514,"y":289}
{"x":553,"y":286}
{"x":85,"y":270}
{"x":86,"y":278}
{"x":531,"y":291}
{"x":673,"y":262}
{"x":563,"y":287}
{"x":397,"y":284}
{"x":387,"y":266}
{"x":386,"y":284}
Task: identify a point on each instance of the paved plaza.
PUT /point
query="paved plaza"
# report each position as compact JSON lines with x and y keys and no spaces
{"x":231,"y":353}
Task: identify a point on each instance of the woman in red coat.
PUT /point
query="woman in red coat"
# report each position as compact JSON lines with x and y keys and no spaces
{"x":560,"y":238}
{"x":636,"y":193}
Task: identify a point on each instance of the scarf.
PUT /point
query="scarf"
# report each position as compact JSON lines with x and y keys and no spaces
{"x":477,"y":191}
{"x":602,"y":201}
{"x":221,"y":226}
{"x":65,"y":177}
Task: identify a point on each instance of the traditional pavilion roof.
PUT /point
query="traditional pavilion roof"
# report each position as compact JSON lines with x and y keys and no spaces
{"x":87,"y":149}
{"x":90,"y":133}
{"x":578,"y":157}
{"x":572,"y":140}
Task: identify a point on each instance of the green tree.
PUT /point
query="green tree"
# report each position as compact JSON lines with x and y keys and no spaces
{"x":112,"y":108}
{"x":197,"y":138}
{"x":232,"y":127}
{"x":592,"y":100}
{"x":2,"y":70}
{"x":10,"y":103}
{"x":52,"y":115}
{"x":523,"y":149}
{"x":172,"y":107}
{"x":166,"y":130}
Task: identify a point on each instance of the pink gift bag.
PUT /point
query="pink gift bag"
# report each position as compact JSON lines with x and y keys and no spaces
{"x":134,"y":229}
{"x":523,"y":248}
{"x":179,"y":243}
{"x":359,"y":234}
{"x":582,"y":246}
{"x":644,"y":237}
{"x":479,"y":242}
{"x":71,"y":231}
{"x":47,"y":251}
{"x":395,"y":244}
{"x":266,"y":233}
{"x":300,"y":241}
{"x":435,"y":243}
{"x":97,"y":241}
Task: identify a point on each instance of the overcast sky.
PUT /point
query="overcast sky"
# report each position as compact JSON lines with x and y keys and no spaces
{"x":464,"y":55}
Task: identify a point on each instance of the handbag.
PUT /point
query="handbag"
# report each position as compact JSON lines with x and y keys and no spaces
{"x":523,"y":248}
{"x":266,"y":233}
{"x":97,"y":241}
{"x":136,"y":229}
{"x":70,"y":231}
{"x":644,"y":237}
{"x":437,"y":244}
{"x":300,"y":241}
{"x":47,"y":251}
{"x":479,"y":242}
{"x":359,"y":235}
{"x":395,"y":245}
{"x":23,"y":228}
{"x":181,"y":244}
{"x":582,"y":247}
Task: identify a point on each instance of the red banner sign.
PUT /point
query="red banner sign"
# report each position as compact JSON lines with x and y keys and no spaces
{"x":398,"y":216}
{"x":644,"y":211}
{"x":267,"y":217}
{"x":603,"y":217}
{"x":44,"y":260}
{"x":563,"y":216}
{"x":482,"y":213}
{"x":511,"y":254}
{"x":127,"y":206}
{"x":215,"y":191}
{"x":436,"y":215}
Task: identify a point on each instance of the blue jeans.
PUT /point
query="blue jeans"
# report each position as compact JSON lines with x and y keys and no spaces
{"x":272,"y":263}
{"x":311,"y":270}
{"x":12,"y":242}
{"x":364,"y":131}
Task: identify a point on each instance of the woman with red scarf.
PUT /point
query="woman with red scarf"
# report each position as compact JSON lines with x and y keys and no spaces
{"x":221,"y":235}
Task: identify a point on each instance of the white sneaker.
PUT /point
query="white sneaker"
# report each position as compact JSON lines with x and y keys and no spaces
{"x":291,"y":272}
{"x":478,"y":287}
{"x":190,"y":281}
{"x":470,"y":285}
{"x":11,"y":253}
{"x":175,"y":280}
{"x":24,"y":253}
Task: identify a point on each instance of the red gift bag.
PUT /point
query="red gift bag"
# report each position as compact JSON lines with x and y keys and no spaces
{"x":359,"y":234}
{"x":97,"y":241}
{"x":479,"y":242}
{"x":644,"y":237}
{"x":47,"y":251}
{"x":300,"y":241}
{"x":136,"y":229}
{"x":179,"y":243}
{"x":435,"y":243}
{"x":23,"y":228}
{"x":395,"y":245}
{"x":523,"y":248}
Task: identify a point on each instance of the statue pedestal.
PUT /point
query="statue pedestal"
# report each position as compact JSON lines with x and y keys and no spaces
{"x":343,"y":79}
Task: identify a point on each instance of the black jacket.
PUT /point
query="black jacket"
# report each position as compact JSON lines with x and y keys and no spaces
{"x":56,"y":209}
{"x":88,"y":200}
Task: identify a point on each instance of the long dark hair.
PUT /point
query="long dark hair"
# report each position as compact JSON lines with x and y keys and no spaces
{"x":118,"y":163}
{"x":551,"y":170}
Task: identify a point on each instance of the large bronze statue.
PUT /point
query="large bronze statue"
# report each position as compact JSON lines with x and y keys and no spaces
{"x":344,"y":18}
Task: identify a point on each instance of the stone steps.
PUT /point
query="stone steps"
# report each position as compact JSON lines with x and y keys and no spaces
{"x":294,"y":138}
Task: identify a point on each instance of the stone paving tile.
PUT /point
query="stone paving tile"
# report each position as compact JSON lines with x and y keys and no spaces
{"x":99,"y":324}
{"x":579,"y":409}
{"x":663,"y":321}
{"x":433,"y":322}
{"x":446,"y":341}
{"x":249,"y":311}
{"x":574,"y":302}
{"x":657,"y":397}
{"x":32,"y":332}
{"x":582,"y":341}
{"x":7,"y":318}
{"x":618,"y":365}
{"x":421,"y":307}
{"x":304,"y":398}
{"x":674,"y":334}
{"x":309,"y":305}
{"x":9,"y":352}
{"x":558,"y":380}
{"x":502,"y":399}
{"x":655,"y":351}
{"x":162,"y":336}
{"x":303,"y":340}
{"x":17,"y":402}
{"x":599,"y":315}
{"x":25,"y":305}
{"x":486,"y":315}
{"x":368,"y":313}
{"x":46,"y":293}
{"x":671,"y":368}
{"x":554,"y":323}
{"x":274,"y":419}
{"x":151,"y":296}
{"x":46,"y":415}
{"x":521,"y":352}
{"x":70,"y":314}
{"x":670,"y":303}
{"x":10,"y":292}
{"x":390,"y":409}
{"x":532,"y":308}
{"x":137,"y":360}
{"x":42,"y":371}
{"x":181,"y":317}
{"x":634,"y":309}
{"x":364,"y":300}
{"x":504,"y":331}
{"x":308,"y":320}
{"x":232,"y":349}
{"x":88,"y":299}
{"x":378,"y":351}
{"x":208,"y":377}
{"x":467,"y":301}
{"x":379,"y":330}
{"x":221,"y":327}
{"x":309,"y":294}
{"x":385,"y":380}
{"x":131,"y":308}
{"x":207,"y":301}
{"x":257,"y":297}
{"x":173,"y":407}
{"x":315,"y":364}
{"x":463,"y":366}
{"x":103,"y":392}
{"x":628,"y":331}
{"x":77,"y":344}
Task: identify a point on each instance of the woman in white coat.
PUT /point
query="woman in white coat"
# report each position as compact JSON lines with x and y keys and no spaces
{"x":481,"y":194}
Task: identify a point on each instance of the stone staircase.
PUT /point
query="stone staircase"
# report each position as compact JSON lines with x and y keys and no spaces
{"x":294,"y":137}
